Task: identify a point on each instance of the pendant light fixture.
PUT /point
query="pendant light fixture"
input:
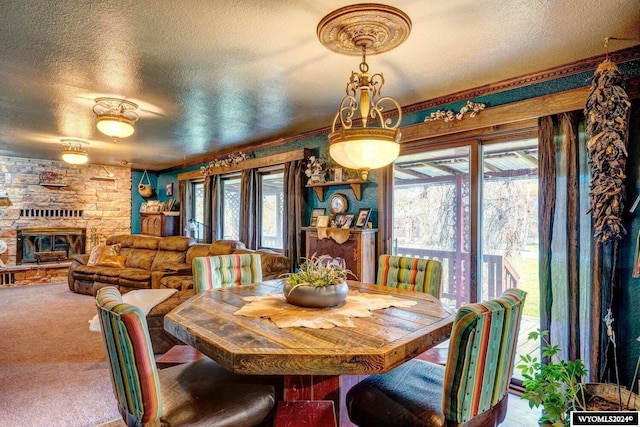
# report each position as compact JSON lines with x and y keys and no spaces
{"x":364,"y":133}
{"x":74,"y":151}
{"x":115,"y":117}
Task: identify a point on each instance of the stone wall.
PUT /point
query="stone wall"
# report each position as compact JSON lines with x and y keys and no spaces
{"x":102,"y":194}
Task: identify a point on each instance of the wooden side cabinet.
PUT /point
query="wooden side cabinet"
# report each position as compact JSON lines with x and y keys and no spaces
{"x":160,"y":224}
{"x":358,"y":251}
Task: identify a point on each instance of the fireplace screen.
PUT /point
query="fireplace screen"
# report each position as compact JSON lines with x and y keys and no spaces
{"x":49,"y":244}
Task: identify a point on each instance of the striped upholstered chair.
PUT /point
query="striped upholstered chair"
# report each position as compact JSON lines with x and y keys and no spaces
{"x":471,"y":390}
{"x":198,"y":393}
{"x":415,"y":274}
{"x":226,"y":270}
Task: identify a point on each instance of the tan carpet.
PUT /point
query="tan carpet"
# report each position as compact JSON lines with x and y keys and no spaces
{"x":52,"y":368}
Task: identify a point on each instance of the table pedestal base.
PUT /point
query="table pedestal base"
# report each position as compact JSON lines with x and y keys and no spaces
{"x":322,"y":387}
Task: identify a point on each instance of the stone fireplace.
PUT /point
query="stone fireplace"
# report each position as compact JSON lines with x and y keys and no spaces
{"x":50,"y":211}
{"x":37,"y":245}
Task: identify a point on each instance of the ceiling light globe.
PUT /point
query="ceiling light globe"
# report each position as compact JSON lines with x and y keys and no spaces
{"x":115,"y":126}
{"x":364,"y":149}
{"x":74,"y":157}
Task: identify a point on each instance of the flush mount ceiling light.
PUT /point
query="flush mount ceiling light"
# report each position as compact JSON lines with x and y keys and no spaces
{"x":74,"y":151}
{"x":363,"y":29}
{"x":115,"y":117}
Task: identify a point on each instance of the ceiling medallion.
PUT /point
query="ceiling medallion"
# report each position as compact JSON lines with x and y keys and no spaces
{"x":116,"y":117}
{"x":381,"y":27}
{"x":357,"y":30}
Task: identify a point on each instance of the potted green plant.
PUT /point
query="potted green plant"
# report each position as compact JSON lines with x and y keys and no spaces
{"x":317,"y":284}
{"x":556,"y":386}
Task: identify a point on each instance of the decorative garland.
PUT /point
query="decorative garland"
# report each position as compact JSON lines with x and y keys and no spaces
{"x":231,"y":159}
{"x":607,"y":113}
{"x":471,"y":108}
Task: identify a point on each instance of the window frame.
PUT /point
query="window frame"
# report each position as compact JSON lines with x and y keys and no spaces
{"x":262,"y":172}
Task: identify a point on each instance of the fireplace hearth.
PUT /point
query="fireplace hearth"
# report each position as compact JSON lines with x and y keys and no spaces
{"x":36,"y":245}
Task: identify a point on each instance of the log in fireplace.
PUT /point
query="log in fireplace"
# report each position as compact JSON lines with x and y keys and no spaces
{"x":49,"y":244}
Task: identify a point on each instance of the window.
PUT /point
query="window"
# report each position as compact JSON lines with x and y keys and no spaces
{"x":230,"y":207}
{"x":197,"y":212}
{"x":473,"y":200}
{"x":272,"y":210}
{"x":431,"y":214}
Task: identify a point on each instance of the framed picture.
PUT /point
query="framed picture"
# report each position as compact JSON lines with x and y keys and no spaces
{"x":315,"y":213}
{"x":323,"y":221}
{"x":343,"y":220}
{"x":169,"y":189}
{"x":337,"y":174}
{"x":143,"y":207}
{"x":363,"y":217}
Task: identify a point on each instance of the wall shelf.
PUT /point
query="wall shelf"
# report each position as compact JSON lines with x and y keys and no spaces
{"x":355,"y":185}
{"x":52,"y":184}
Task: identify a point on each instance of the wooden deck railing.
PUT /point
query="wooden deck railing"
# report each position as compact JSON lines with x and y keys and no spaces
{"x":498,"y":273}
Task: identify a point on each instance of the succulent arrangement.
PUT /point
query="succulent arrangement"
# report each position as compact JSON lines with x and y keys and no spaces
{"x":314,"y":272}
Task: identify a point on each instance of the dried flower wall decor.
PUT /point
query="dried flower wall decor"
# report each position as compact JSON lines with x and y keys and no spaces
{"x":230,"y":159}
{"x":471,"y":108}
{"x":607,"y":114}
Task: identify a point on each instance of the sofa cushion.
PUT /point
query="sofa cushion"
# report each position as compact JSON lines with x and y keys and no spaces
{"x":141,"y":258}
{"x":97,"y":270}
{"x":146,"y":242}
{"x":178,"y":282}
{"x":164,"y":258}
{"x":99,"y":250}
{"x":225,"y":247}
{"x":196,"y":251}
{"x":107,"y":260}
{"x":125,"y":240}
{"x":171,"y":303}
{"x":135,"y":274}
{"x":175,"y":243}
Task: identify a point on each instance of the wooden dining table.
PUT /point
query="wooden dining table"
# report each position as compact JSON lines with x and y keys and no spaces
{"x":317,"y":364}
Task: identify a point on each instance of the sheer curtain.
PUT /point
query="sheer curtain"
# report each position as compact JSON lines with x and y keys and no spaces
{"x":295,"y":208}
{"x":569,"y":298}
{"x":249,"y":203}
{"x":211,"y":188}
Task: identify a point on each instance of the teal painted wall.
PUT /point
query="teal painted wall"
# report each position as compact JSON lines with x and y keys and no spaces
{"x":137,"y":199}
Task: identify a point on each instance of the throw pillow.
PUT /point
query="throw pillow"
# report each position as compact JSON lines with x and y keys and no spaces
{"x":96,"y":251}
{"x":106,"y":260}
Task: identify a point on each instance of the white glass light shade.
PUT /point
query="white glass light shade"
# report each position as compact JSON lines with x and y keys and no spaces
{"x":74,"y":157}
{"x":115,"y":126}
{"x":364,"y":148}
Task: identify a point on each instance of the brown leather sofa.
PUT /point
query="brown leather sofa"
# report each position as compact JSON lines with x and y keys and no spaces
{"x":161,"y":263}
{"x":145,"y":262}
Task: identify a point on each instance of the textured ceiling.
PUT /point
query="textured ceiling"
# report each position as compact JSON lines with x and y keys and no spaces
{"x":212,"y":75}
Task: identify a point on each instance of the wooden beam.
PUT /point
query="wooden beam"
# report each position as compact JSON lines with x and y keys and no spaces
{"x":504,"y":114}
{"x":255,"y":163}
